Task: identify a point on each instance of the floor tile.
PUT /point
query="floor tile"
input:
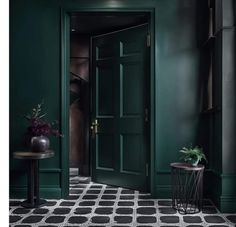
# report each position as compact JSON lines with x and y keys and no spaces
{"x":192,"y":219}
{"x":126,"y":197}
{"x":62,"y":211}
{"x":167,"y":210}
{"x":77,"y":219}
{"x":55,"y":219}
{"x":124,"y":210}
{"x":14,"y":218}
{"x":100,"y":219}
{"x":169,"y":219}
{"x":22,"y":225}
{"x":145,"y":203}
{"x":146,"y":219}
{"x":51,"y":203}
{"x":65,"y":203}
{"x":214,"y":219}
{"x":32,"y":219}
{"x":21,"y":211}
{"x":40,"y":211}
{"x":146,"y":210}
{"x":104,"y":210}
{"x":93,"y":191}
{"x":83,"y":210}
{"x":127,"y":191}
{"x":87,"y":203}
{"x":126,"y":203}
{"x":108,"y":197}
{"x":106,"y":203}
{"x":97,"y":205}
{"x":90,"y":197}
{"x":123,"y":219}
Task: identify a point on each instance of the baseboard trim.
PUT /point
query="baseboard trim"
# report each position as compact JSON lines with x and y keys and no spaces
{"x":222,"y":190}
{"x":47,"y":193}
{"x":228,"y":204}
{"x":50,"y":170}
{"x":163,"y":192}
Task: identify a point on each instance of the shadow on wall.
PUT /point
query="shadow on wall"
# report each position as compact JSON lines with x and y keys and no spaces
{"x":205,"y":83}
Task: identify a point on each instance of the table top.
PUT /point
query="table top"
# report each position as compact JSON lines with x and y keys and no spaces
{"x":33,"y":155}
{"x":187,"y":166}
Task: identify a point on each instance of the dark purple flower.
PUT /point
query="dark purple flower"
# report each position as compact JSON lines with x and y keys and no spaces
{"x":38,"y":126}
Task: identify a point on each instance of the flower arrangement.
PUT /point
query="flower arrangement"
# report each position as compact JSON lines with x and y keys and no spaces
{"x":39,"y":126}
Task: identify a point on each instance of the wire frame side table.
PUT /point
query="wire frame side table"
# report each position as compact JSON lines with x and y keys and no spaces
{"x":187,"y":186}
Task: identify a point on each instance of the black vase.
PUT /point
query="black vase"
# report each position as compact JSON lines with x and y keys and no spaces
{"x":39,"y":143}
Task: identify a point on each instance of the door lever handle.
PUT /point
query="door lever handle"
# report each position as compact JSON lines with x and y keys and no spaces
{"x":94,"y":127}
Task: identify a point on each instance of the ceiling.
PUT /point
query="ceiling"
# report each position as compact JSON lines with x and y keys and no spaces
{"x":98,"y":23}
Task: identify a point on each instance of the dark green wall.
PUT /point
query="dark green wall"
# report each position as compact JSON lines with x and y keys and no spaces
{"x":177,"y":72}
{"x":35,"y":73}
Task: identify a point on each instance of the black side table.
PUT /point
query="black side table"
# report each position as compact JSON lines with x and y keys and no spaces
{"x":187,"y":184}
{"x":33,"y":158}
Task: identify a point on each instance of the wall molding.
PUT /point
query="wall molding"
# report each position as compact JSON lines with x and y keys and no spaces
{"x":41,"y":170}
{"x":223,"y":192}
{"x":164,"y":171}
{"x":163,"y":192}
{"x":51,"y":170}
{"x":47,"y":193}
{"x":228,"y":204}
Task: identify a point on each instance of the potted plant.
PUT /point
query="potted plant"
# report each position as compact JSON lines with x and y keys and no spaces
{"x":193,"y":155}
{"x":39,"y":129}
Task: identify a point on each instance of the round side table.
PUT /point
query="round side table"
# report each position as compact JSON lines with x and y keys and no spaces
{"x":33,"y":200}
{"x":187,"y":184}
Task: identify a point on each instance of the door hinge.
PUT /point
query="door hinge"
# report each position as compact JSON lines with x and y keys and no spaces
{"x":148,"y":40}
{"x":146,"y":114}
{"x":147,"y":169}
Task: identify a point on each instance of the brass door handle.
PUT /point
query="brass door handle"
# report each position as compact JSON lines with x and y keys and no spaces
{"x":94,"y":127}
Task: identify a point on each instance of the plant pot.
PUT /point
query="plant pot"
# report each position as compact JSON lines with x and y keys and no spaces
{"x":194,"y":162}
{"x":39,"y":143}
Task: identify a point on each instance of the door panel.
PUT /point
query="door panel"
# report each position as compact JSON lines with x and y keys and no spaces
{"x":131,"y":86}
{"x":129,"y":144}
{"x":119,"y":73}
{"x":105,"y":87}
{"x":104,"y":146}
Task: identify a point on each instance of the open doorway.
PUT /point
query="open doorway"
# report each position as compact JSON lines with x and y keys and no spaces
{"x":94,"y":147}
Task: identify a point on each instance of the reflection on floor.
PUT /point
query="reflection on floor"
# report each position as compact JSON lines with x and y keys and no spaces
{"x":92,"y":204}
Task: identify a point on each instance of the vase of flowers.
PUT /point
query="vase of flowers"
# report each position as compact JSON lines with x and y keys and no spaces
{"x":39,"y":143}
{"x":39,"y":130}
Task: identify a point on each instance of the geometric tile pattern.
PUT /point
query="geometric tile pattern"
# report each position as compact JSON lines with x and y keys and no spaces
{"x":91,"y":204}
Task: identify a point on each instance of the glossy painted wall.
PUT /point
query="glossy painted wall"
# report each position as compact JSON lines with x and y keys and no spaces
{"x":34,"y":75}
{"x":35,"y":66}
{"x":177,"y":100}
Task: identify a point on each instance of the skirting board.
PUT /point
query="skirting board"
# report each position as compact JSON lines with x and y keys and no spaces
{"x":163,"y":192}
{"x":228,"y":204}
{"x":47,"y":193}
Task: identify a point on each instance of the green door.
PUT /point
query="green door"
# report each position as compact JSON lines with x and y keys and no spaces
{"x":119,"y":108}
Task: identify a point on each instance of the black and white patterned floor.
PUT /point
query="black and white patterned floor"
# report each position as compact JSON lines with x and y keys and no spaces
{"x":92,"y":204}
